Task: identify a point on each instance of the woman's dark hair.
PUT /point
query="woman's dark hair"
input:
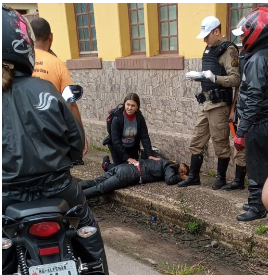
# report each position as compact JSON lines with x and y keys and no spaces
{"x":134,"y":97}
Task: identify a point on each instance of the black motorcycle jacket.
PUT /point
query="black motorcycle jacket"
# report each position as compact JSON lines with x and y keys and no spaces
{"x":40,"y":136}
{"x":210,"y":61}
{"x":159,"y":170}
{"x":252,"y":105}
{"x":142,"y":134}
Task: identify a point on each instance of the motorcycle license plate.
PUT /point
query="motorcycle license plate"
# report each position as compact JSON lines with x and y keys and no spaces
{"x":60,"y":268}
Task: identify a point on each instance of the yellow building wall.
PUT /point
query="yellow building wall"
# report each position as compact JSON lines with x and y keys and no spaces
{"x":190,"y":17}
{"x":151,"y":29}
{"x":61,"y":18}
{"x":112,"y":28}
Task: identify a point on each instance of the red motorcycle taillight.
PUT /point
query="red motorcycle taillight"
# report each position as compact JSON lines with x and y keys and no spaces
{"x":44,"y":229}
{"x":49,"y":251}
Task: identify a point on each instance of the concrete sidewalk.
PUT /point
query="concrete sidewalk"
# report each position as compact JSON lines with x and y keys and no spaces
{"x":216,"y":209}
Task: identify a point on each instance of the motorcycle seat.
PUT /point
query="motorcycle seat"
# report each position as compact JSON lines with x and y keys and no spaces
{"x":29,"y":208}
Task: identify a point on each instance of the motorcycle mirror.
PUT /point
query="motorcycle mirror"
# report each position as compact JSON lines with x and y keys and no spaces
{"x":72,"y":93}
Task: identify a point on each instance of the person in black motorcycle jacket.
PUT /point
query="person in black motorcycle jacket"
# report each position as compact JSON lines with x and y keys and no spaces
{"x":41,"y":139}
{"x":125,"y":175}
{"x":252,"y":108}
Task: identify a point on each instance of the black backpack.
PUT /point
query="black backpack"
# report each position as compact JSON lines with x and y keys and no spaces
{"x":109,"y":119}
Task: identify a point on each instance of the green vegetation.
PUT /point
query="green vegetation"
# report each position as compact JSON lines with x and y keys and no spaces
{"x":184,"y":269}
{"x":246,"y":181}
{"x":261,"y":229}
{"x":212,"y":174}
{"x":195,"y":227}
{"x":104,"y":149}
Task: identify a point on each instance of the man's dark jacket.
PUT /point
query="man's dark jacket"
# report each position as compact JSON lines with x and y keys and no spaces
{"x":252,"y":103}
{"x":125,"y":175}
{"x":142,"y":136}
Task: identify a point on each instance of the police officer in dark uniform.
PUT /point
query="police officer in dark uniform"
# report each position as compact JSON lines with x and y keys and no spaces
{"x":221,"y":73}
{"x":252,"y":108}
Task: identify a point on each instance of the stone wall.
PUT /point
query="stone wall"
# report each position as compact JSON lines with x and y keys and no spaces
{"x":167,"y":103}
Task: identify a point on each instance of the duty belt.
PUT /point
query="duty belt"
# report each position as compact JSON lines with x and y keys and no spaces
{"x":208,"y":94}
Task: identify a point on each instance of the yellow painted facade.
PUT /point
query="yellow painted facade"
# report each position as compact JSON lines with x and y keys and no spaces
{"x":113,"y":33}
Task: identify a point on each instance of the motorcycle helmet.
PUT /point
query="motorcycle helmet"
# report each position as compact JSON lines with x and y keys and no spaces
{"x":254,"y":27}
{"x":17,"y":40}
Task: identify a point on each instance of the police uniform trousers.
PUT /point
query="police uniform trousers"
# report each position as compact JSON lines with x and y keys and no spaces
{"x":212,"y":123}
{"x":240,"y":156}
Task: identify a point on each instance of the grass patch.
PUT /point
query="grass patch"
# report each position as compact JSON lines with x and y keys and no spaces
{"x":246,"y":181}
{"x":184,"y":269}
{"x":195,"y":227}
{"x":261,"y":229}
{"x":212,"y":174}
{"x":104,"y":149}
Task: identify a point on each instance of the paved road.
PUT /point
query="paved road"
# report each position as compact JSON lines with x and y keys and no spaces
{"x":119,"y":264}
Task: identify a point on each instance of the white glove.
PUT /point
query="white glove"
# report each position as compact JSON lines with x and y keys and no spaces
{"x":209,"y":75}
{"x":193,"y":75}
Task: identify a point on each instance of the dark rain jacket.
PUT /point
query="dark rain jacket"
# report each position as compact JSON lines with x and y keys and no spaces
{"x":142,"y":136}
{"x":159,"y":170}
{"x":40,"y":136}
{"x":252,"y":105}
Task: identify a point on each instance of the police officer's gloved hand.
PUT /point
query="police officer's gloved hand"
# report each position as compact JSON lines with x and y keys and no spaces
{"x":239,"y":143}
{"x":209,"y":75}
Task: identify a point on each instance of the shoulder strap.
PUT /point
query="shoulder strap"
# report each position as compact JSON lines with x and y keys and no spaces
{"x":223,"y":47}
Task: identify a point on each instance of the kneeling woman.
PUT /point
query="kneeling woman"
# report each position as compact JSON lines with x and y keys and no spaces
{"x":128,"y":129}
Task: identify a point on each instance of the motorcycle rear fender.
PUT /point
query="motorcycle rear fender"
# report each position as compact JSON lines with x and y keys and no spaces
{"x":24,"y":209}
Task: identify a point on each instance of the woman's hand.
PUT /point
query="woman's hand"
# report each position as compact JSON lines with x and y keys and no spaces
{"x":132,"y":161}
{"x":154,"y":158}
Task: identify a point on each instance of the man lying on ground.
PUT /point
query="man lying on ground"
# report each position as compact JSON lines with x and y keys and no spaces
{"x":125,"y":175}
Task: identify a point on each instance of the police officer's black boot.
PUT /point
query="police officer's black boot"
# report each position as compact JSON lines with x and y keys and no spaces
{"x":238,"y":182}
{"x":193,"y":178}
{"x":221,"y":173}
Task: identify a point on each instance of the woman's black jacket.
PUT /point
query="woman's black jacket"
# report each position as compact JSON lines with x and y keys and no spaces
{"x":142,"y":136}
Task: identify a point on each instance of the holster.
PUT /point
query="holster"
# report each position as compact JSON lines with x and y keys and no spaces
{"x":200,"y":97}
{"x":215,"y":96}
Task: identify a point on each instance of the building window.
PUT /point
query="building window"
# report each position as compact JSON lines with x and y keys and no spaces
{"x":136,"y":25}
{"x":85,"y":23}
{"x":168,"y":27}
{"x":235,"y":12}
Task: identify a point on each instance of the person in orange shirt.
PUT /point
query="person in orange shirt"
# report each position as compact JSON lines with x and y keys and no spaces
{"x":48,"y":66}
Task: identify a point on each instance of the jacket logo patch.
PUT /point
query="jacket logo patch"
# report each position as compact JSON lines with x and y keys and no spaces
{"x":44,"y":101}
{"x":234,"y":63}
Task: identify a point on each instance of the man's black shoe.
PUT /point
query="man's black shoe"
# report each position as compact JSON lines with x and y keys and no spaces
{"x":105,"y":163}
{"x":233,"y":186}
{"x":251,"y":215}
{"x":246,"y":207}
